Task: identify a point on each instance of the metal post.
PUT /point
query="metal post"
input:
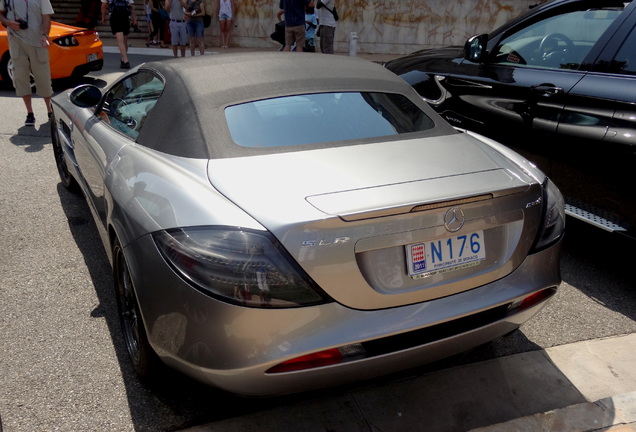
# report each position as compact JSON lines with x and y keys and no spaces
{"x":353,"y":44}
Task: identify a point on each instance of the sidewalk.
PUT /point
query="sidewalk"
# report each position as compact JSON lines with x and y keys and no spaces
{"x":138,"y":46}
{"x":581,"y":387}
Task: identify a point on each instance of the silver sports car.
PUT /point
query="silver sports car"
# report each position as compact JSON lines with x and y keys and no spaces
{"x":278,"y":223}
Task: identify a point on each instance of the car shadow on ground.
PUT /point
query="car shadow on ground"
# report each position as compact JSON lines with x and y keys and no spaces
{"x":59,"y":85}
{"x":600,"y":265}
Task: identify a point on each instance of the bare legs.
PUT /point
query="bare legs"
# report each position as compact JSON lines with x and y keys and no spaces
{"x":178,"y":48}
{"x":226,"y":29}
{"x":194,"y":42}
{"x":29,"y":105}
{"x":122,"y":43}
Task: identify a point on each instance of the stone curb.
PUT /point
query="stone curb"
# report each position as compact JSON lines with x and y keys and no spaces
{"x":585,"y":417}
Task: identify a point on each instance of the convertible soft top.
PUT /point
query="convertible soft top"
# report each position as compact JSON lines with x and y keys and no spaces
{"x":198,"y":89}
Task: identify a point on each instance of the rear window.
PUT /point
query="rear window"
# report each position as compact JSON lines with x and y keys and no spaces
{"x":323,"y":118}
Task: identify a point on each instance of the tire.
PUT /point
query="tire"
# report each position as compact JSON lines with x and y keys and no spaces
{"x":144,"y":360}
{"x":67,"y":179}
{"x":4,"y":71}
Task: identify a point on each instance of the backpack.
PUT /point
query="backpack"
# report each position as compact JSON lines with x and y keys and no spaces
{"x":119,"y":7}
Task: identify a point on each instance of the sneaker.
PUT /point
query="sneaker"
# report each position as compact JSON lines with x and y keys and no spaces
{"x":124,"y":65}
{"x":30,"y":120}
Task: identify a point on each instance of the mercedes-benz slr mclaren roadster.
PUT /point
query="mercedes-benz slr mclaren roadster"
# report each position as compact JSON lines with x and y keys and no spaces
{"x":283,"y":222}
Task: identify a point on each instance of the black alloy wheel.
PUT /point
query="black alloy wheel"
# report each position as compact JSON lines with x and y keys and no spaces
{"x":143,"y":358}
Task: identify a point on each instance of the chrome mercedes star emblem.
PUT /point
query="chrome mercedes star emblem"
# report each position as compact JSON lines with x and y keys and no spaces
{"x":454,"y":219}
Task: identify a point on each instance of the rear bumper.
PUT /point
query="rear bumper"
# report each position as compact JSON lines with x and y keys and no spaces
{"x":75,"y":61}
{"x":233,"y":347}
{"x":257,"y":383}
{"x":82,"y":70}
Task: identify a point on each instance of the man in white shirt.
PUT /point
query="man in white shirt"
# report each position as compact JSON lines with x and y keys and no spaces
{"x":29,"y":24}
{"x":326,"y":25}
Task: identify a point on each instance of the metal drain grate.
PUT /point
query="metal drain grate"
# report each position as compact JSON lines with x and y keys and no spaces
{"x":594,"y":216}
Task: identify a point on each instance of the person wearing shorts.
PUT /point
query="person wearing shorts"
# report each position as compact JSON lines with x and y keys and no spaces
{"x":294,"y":12}
{"x":120,"y":27}
{"x":327,"y":26}
{"x":195,"y":10}
{"x":148,"y":12}
{"x":226,"y":9}
{"x":28,"y":25}
{"x":178,"y":29}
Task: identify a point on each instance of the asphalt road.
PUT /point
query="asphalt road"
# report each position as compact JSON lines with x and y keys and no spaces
{"x":63,"y":364}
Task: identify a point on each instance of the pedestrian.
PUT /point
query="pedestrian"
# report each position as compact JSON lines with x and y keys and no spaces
{"x":195,"y":10}
{"x":178,"y":30}
{"x":226,"y":16}
{"x":326,"y":25}
{"x":29,"y":24}
{"x":278,"y":35}
{"x":157,"y":24}
{"x":120,"y":12}
{"x":148,"y":12}
{"x":294,"y":11}
{"x":310,"y":29}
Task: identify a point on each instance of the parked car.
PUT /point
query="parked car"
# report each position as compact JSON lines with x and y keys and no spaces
{"x":278,"y":223}
{"x":558,"y":84}
{"x":73,"y":52}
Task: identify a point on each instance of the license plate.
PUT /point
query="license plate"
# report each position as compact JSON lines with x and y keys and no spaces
{"x":445,"y":255}
{"x":92,"y":57}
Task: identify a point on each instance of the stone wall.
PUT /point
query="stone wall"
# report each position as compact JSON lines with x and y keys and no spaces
{"x":381,"y":26}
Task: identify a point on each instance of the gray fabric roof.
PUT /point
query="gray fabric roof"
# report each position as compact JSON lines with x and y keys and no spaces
{"x":197,"y":90}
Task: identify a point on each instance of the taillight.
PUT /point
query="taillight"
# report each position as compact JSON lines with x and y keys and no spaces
{"x":320,"y":359}
{"x":553,"y":217}
{"x":66,"y":41}
{"x":531,"y":300}
{"x":245,"y":267}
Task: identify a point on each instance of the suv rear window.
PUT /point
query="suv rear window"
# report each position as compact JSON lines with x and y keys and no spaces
{"x":323,"y":118}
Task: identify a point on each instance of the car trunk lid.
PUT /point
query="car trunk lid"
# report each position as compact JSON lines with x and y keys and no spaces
{"x":358,"y":218}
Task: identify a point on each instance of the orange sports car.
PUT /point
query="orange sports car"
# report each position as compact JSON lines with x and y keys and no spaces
{"x":74,"y":52}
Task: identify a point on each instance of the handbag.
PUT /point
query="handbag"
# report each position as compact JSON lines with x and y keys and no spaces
{"x":164,"y":15}
{"x":207,"y":20}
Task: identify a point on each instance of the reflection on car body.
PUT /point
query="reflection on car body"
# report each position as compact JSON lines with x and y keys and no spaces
{"x":558,"y":84}
{"x":265,"y":255}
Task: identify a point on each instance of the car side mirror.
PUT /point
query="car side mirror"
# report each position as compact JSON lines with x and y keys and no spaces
{"x":85,"y":96}
{"x":475,"y":48}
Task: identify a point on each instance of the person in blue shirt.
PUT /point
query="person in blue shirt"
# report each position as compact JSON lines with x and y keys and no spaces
{"x":310,"y":29}
{"x":294,"y":11}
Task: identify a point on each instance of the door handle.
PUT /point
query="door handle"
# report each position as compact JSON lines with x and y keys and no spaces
{"x":547,"y":90}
